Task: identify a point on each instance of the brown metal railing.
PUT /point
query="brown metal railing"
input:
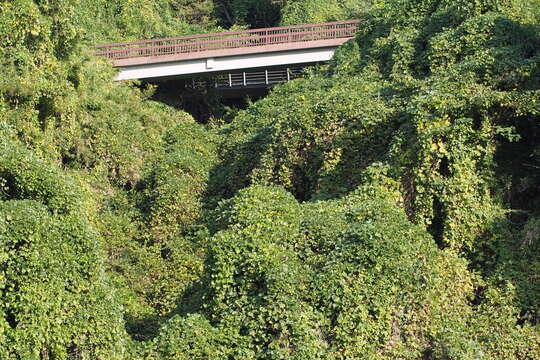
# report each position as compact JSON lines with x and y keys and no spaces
{"x":228,"y":40}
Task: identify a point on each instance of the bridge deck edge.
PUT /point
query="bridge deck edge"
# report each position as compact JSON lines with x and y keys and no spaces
{"x":230,"y":52}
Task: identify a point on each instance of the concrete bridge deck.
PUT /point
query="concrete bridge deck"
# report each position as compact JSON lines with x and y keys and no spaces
{"x":224,"y":52}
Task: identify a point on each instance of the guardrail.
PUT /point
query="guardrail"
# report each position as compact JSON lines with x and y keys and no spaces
{"x":228,"y":40}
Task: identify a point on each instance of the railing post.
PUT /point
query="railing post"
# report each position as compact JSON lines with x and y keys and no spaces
{"x":288,"y":75}
{"x":266,"y":76}
{"x":244,"y":74}
{"x":230,"y":80}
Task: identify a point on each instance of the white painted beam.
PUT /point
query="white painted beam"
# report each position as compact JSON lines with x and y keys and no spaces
{"x":225,"y":63}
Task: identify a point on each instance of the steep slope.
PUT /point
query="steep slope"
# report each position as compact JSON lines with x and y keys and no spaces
{"x":131,"y":154}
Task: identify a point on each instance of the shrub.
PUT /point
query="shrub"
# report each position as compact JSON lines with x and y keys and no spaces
{"x":345,"y":279}
{"x":188,"y":338}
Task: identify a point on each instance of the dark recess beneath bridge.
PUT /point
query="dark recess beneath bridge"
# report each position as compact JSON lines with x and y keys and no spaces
{"x":256,"y":79}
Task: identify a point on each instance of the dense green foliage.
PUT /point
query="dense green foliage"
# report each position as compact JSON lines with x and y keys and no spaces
{"x":255,"y":13}
{"x":266,"y":13}
{"x":55,"y":300}
{"x":317,"y":11}
{"x":385,"y":206}
{"x":124,"y":151}
{"x":342,"y":279}
{"x":123,"y":20}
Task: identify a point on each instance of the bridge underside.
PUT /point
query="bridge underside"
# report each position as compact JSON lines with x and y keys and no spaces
{"x":224,"y":64}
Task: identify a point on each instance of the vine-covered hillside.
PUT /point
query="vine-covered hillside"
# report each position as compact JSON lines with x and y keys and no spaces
{"x":383,"y":206}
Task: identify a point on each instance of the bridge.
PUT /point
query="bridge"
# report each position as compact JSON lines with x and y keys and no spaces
{"x":228,"y":52}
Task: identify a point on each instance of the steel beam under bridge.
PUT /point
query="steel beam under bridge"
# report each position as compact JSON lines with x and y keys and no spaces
{"x":256,"y":79}
{"x":225,"y":52}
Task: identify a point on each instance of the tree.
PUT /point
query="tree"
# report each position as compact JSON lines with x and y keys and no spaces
{"x":56,"y":301}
